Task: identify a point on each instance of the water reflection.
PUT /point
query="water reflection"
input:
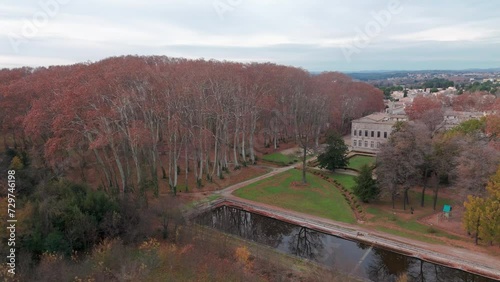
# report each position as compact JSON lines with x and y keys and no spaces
{"x":386,"y":266}
{"x":249,"y":226}
{"x":306,"y":243}
{"x":341,"y":255}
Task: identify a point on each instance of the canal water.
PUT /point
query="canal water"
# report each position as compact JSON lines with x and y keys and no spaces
{"x":357,"y":259}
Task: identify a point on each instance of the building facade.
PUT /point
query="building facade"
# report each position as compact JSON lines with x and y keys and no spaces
{"x":370,"y":132}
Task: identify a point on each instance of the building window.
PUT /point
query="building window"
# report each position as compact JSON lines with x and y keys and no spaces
{"x":378,"y":134}
{"x":372,"y":144}
{"x":366,"y":144}
{"x":385,"y":134}
{"x":355,"y":143}
{"x":373,"y":134}
{"x":378,"y":144}
{"x":366,"y":133}
{"x":355,"y":132}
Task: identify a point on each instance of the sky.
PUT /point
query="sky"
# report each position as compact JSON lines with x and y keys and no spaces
{"x":315,"y":35}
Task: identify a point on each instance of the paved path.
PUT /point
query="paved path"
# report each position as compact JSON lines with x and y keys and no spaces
{"x":479,"y":263}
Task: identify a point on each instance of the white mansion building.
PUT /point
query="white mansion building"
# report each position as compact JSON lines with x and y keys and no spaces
{"x":369,"y":132}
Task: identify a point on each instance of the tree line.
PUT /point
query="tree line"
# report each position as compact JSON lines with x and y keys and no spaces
{"x":136,"y":119}
{"x":421,"y":153}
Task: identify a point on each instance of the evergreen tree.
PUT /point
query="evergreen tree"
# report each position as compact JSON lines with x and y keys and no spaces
{"x":335,"y":155}
{"x":366,"y":187}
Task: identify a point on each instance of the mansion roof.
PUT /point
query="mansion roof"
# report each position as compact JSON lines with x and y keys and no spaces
{"x":381,"y":118}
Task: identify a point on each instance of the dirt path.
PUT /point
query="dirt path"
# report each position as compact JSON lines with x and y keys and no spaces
{"x":464,"y":259}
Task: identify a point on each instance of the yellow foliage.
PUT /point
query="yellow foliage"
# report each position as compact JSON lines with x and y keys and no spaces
{"x":5,"y":275}
{"x":482,"y":215}
{"x":243,"y":256}
{"x":402,"y":278}
{"x":51,"y":258}
{"x":16,"y":163}
{"x":151,"y":244}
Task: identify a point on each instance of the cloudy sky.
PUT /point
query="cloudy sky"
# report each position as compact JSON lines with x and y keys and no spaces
{"x":313,"y":34}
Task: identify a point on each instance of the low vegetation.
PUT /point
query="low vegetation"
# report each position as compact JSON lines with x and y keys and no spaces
{"x":281,"y":159}
{"x":346,"y":180}
{"x":358,"y":161}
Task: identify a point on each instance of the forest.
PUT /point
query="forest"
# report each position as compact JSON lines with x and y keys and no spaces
{"x":137,"y":118}
{"x":97,"y":150}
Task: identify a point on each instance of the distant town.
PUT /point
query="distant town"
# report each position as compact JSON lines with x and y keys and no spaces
{"x":416,"y":78}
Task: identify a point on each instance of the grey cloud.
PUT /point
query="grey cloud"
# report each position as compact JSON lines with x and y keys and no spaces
{"x":410,"y":41}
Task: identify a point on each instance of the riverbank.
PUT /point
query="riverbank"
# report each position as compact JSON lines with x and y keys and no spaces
{"x":462,"y":259}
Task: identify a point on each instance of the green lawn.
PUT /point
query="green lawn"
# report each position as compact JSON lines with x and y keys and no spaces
{"x":416,"y":197}
{"x":281,"y":159}
{"x":319,"y":198}
{"x":345,"y":180}
{"x":358,"y":161}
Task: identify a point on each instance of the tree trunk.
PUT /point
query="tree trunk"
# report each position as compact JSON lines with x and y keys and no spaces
{"x":109,"y":181}
{"x":243,"y":153}
{"x":304,"y":167}
{"x":186,"y":163}
{"x":423,"y":188}
{"x":235,"y":150}
{"x":404,"y":198}
{"x":120,"y":170}
{"x":423,"y":195}
{"x":436,"y":196}
{"x":477,"y":229}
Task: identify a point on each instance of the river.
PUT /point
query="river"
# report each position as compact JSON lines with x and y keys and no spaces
{"x":357,"y":259}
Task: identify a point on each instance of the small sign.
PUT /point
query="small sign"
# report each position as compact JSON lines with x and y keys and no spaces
{"x":447,"y":208}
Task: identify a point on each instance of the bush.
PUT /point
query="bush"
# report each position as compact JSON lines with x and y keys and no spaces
{"x":69,"y":217}
{"x":431,"y":230}
{"x":16,"y":163}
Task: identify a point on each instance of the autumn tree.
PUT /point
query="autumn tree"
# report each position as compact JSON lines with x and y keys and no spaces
{"x":427,"y":110}
{"x":473,"y":102}
{"x":482,"y":215}
{"x":308,"y":114}
{"x":475,"y":164}
{"x":400,"y":160}
{"x":125,"y":120}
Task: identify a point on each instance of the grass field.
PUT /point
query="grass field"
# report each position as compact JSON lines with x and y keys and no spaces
{"x":410,"y":228}
{"x":280,"y":159}
{"x":407,"y":228}
{"x":358,"y":161}
{"x":345,"y":180}
{"x":319,"y":198}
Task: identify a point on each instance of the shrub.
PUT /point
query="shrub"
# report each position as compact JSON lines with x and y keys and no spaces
{"x":243,"y":256}
{"x":16,"y":163}
{"x":431,"y":230}
{"x":68,"y":216}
